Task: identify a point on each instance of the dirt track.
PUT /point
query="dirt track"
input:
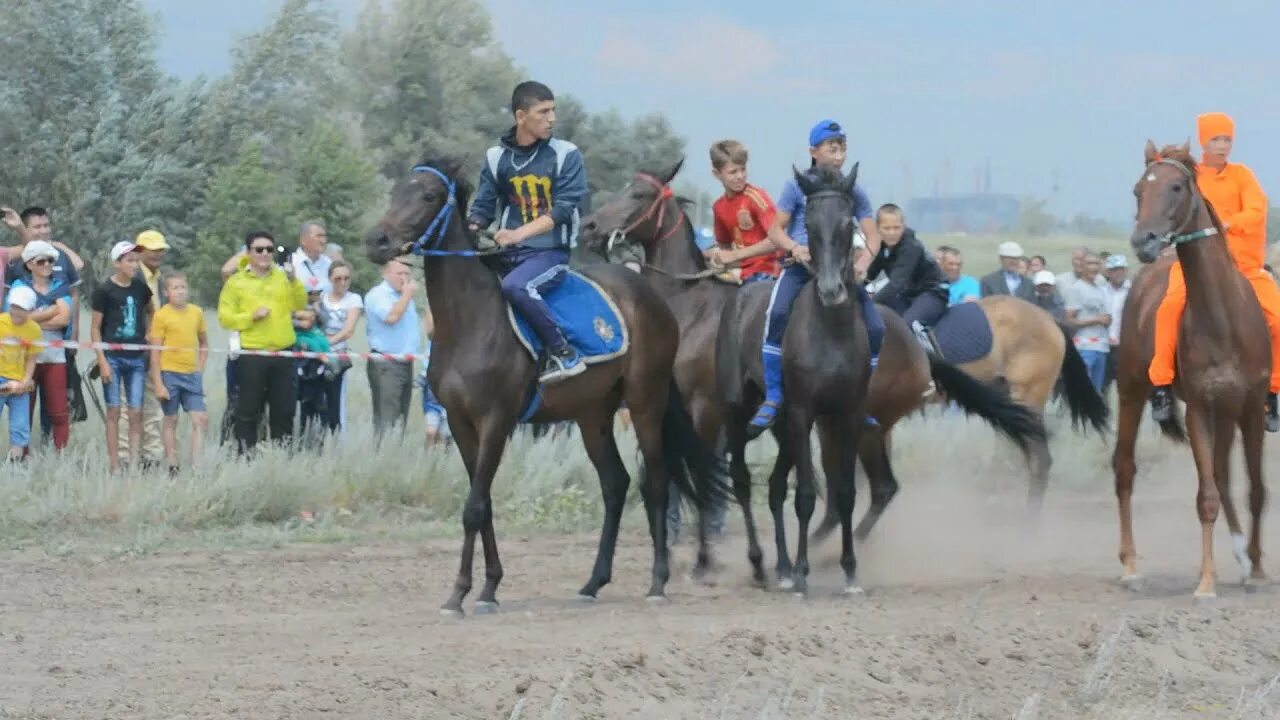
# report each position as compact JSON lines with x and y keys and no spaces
{"x":962,"y":620}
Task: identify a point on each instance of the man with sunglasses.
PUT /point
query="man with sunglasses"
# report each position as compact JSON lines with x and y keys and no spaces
{"x":258,"y":301}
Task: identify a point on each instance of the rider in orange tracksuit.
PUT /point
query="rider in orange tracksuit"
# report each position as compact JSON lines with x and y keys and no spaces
{"x":1237,"y":198}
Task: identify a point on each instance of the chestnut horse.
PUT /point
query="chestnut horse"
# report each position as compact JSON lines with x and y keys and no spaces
{"x":1224,"y":361}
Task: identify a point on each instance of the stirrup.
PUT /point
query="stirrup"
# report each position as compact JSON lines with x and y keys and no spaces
{"x":556,"y":370}
{"x":1162,"y":404}
{"x":764,"y":418}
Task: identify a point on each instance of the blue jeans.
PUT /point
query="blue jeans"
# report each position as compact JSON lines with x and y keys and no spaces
{"x":19,"y":407}
{"x":526,"y":275}
{"x":186,"y":392}
{"x":128,"y":374}
{"x":1095,"y":361}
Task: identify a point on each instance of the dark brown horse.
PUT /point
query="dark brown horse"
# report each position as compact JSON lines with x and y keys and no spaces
{"x":483,"y":377}
{"x":1224,"y":362}
{"x":646,"y":224}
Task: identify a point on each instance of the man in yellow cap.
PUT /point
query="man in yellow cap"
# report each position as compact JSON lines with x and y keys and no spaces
{"x":153,"y":247}
{"x":1240,"y":204}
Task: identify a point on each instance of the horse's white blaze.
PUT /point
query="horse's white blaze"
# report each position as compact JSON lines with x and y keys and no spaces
{"x":1151,"y":177}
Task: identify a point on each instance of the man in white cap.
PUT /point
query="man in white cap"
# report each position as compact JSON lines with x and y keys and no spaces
{"x":18,"y":367}
{"x":1007,"y":280}
{"x":1117,"y":289}
{"x":1047,"y":296}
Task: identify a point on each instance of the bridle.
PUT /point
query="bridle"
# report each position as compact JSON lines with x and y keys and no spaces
{"x":1173,"y":237}
{"x":656,"y":208}
{"x":426,"y":244}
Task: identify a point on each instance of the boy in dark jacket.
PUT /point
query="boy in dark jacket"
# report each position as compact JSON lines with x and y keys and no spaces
{"x":917,"y":289}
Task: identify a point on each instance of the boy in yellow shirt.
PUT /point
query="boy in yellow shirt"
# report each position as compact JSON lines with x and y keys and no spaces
{"x":18,"y":367}
{"x":177,"y":372}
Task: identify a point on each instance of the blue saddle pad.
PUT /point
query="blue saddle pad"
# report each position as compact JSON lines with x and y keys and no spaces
{"x":964,"y":333}
{"x":587,"y":316}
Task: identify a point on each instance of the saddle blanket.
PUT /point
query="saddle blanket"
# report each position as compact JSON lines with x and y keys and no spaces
{"x":964,"y":333}
{"x":587,"y":316}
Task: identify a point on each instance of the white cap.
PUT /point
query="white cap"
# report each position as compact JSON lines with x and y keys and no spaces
{"x":1115,"y":262}
{"x":1010,"y":248}
{"x":24,"y":297}
{"x":122,"y":248}
{"x":1044,"y":277}
{"x":38,"y":249}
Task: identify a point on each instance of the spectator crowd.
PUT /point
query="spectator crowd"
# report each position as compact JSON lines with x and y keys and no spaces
{"x":270,"y":301}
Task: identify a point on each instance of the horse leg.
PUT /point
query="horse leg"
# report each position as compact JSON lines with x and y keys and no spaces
{"x":1125,"y":469}
{"x":481,"y":449}
{"x":597,"y":438}
{"x":1252,"y":426}
{"x":647,"y":421}
{"x":799,"y":427}
{"x":840,"y":462}
{"x":1200,"y":428}
{"x":1039,"y":460}
{"x":782,"y":465}
{"x":884,"y":486}
{"x":1222,"y":476}
{"x":737,"y":436}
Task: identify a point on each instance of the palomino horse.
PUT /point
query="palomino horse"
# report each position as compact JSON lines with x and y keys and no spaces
{"x":646,"y":223}
{"x":484,"y":378}
{"x":1224,"y":361}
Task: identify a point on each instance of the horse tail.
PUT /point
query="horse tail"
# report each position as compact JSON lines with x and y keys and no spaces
{"x":1087,"y":406}
{"x":699,"y":474}
{"x":1018,"y":422}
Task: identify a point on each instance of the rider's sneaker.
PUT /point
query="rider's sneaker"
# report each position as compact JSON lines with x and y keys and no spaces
{"x":561,"y":365}
{"x":1273,"y":414}
{"x":1162,"y":403}
{"x":763,"y":420}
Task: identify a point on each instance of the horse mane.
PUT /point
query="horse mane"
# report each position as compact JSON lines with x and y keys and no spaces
{"x":826,"y":178}
{"x":1182,"y":154}
{"x":452,"y":168}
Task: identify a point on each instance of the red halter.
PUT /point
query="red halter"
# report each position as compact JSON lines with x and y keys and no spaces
{"x":658,"y":207}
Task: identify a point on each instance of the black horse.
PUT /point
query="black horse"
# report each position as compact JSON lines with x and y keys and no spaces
{"x":484,"y":378}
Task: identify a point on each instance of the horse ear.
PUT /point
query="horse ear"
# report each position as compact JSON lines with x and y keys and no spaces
{"x":666,"y":176}
{"x":1149,"y":153}
{"x":802,"y":180}
{"x":852,"y":179}
{"x":1186,"y":146}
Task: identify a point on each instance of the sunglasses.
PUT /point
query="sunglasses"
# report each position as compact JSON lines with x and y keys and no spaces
{"x":42,"y":261}
{"x":262,"y":249}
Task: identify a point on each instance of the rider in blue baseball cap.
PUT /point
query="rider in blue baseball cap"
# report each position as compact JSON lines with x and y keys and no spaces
{"x":828,"y":146}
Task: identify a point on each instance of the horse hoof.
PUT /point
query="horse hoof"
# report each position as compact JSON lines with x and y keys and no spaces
{"x":485,"y":607}
{"x":786,"y":583}
{"x":455,"y":613}
{"x":656,"y":599}
{"x":1204,"y":599}
{"x":1254,"y":585}
{"x":1132,"y":582}
{"x":585,"y":599}
{"x":854,"y":590}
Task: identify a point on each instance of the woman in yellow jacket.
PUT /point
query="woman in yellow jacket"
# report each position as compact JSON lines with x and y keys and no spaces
{"x":259,"y":300}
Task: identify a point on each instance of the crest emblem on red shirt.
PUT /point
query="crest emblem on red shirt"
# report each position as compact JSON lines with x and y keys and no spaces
{"x":744,"y":220}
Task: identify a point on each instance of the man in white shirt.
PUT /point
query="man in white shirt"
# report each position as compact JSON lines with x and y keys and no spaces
{"x":310,"y":261}
{"x":1117,"y":290}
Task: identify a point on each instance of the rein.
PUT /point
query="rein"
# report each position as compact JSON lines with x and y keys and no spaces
{"x":425,"y":245}
{"x":1172,"y":237}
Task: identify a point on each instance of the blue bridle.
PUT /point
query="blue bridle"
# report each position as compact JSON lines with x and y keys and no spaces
{"x":426,"y":244}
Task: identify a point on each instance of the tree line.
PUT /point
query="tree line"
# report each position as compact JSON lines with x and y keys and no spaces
{"x":310,"y":122}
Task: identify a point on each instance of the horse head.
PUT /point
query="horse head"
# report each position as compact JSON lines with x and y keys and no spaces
{"x":829,"y":204}
{"x":1169,"y":202}
{"x":639,"y":212}
{"x":423,"y":204}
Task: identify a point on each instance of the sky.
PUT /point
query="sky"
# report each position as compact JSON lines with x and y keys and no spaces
{"x":1057,"y":98}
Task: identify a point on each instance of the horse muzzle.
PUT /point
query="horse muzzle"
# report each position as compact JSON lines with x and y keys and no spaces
{"x":833,"y":294}
{"x":1147,"y":245}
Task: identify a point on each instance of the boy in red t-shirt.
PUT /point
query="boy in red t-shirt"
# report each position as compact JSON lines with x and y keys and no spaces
{"x":743,"y":217}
